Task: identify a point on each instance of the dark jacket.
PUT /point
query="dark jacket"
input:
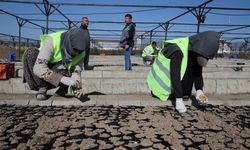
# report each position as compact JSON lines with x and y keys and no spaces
{"x":205,"y":44}
{"x":128,"y":33}
{"x":86,"y":58}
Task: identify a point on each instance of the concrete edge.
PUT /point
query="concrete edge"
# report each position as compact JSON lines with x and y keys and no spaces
{"x":115,"y":100}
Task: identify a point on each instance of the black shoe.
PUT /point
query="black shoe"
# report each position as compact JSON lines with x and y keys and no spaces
{"x":89,"y":68}
{"x":62,"y":91}
{"x":41,"y":95}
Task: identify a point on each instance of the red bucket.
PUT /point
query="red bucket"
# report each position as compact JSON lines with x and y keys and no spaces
{"x":7,"y":70}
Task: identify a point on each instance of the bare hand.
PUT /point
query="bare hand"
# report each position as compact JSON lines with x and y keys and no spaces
{"x":126,"y":46}
{"x":79,"y":93}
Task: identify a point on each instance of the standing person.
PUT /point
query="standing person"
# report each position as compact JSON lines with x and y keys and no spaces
{"x":220,"y":51}
{"x":84,"y":26}
{"x":178,"y":67}
{"x":57,"y":63}
{"x":149,"y":53}
{"x":127,"y":40}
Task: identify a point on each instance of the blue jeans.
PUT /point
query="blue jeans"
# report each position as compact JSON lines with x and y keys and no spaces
{"x":127,"y":54}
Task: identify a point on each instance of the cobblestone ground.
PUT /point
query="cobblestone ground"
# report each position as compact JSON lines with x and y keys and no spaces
{"x":108,"y":127}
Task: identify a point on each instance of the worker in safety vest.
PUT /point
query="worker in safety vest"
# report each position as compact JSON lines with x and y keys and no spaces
{"x":149,"y":53}
{"x":179,"y":65}
{"x":58,"y":62}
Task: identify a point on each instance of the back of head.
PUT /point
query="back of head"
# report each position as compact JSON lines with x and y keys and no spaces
{"x":205,"y":44}
{"x":154,"y":43}
{"x":73,"y":42}
{"x":79,"y":39}
{"x":129,"y":16}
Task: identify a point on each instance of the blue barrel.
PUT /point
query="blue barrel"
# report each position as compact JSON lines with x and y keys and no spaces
{"x":234,"y":56}
{"x":12,"y":56}
{"x":138,"y":55}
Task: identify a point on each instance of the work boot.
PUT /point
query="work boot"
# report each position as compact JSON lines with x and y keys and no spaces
{"x":179,"y":106}
{"x":41,"y":95}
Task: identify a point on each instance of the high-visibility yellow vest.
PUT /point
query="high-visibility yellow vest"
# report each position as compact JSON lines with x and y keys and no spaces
{"x":159,"y":80}
{"x":57,"y":56}
{"x":144,"y":52}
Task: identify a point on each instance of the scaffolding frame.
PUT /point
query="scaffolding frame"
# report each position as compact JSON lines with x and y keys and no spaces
{"x":198,"y":11}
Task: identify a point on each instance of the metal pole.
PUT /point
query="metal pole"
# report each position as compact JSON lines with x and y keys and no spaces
{"x":199,"y":14}
{"x":199,"y":19}
{"x":141,"y":41}
{"x":13,"y":41}
{"x":47,"y":24}
{"x":69,"y":24}
{"x":20,"y":24}
{"x":120,"y":5}
{"x":150,"y":40}
{"x":43,"y":30}
{"x":26,"y":20}
{"x":166,"y":30}
{"x":47,"y":9}
{"x":19,"y":42}
{"x":198,"y":24}
{"x":189,"y":10}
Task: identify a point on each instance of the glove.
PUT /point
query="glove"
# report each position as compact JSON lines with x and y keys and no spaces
{"x":180,"y":107}
{"x":70,"y":82}
{"x":201,"y":97}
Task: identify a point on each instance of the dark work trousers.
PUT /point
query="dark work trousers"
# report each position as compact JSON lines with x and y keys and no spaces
{"x":192,"y":76}
{"x":86,"y":59}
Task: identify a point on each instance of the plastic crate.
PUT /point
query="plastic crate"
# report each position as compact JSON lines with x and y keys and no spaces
{"x":7,"y":70}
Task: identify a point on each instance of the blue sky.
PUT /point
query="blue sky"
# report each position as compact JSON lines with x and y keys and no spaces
{"x":9,"y":26}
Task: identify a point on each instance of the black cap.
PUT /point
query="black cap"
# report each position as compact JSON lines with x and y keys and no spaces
{"x":128,"y":15}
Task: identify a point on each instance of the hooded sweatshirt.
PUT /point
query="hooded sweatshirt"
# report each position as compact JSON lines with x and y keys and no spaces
{"x":204,"y":44}
{"x":73,"y":42}
{"x":86,"y":58}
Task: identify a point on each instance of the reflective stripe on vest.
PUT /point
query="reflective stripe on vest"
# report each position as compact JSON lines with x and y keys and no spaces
{"x":159,"y":79}
{"x":57,"y":57}
{"x":144,"y":52}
